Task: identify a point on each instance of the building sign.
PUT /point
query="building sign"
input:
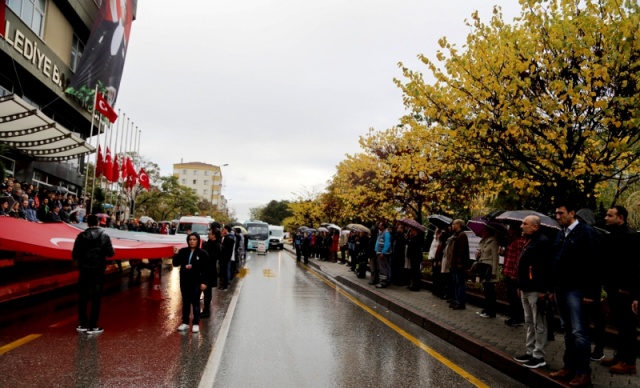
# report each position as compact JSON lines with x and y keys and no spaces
{"x":104,"y":54}
{"x":29,"y":49}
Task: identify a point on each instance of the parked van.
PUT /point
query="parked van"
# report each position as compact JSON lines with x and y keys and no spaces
{"x":276,"y":236}
{"x":196,"y":224}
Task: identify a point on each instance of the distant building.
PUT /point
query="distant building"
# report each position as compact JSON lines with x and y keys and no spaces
{"x":205,"y":179}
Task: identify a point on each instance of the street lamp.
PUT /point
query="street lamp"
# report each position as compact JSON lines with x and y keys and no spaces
{"x":212,"y":186}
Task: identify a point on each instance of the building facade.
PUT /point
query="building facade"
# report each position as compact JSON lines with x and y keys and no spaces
{"x":205,"y":179}
{"x":40,"y":48}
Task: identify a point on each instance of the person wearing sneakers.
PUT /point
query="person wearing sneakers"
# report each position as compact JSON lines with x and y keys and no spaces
{"x":620,"y":278}
{"x":194,"y":276}
{"x":90,"y":252}
{"x":533,"y":269}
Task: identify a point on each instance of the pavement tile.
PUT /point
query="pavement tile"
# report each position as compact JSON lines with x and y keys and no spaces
{"x":487,"y":339}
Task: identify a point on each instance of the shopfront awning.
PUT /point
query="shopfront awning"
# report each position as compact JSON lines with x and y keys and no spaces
{"x":28,"y":130}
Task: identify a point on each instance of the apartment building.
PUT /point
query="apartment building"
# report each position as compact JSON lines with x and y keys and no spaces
{"x":205,"y":179}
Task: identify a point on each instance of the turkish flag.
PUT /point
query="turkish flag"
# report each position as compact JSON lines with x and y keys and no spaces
{"x":125,"y":171}
{"x":3,"y":6}
{"x":99,"y":162}
{"x":115,"y":175}
{"x":132,"y":177}
{"x":144,"y":178}
{"x":103,"y":107}
{"x":108,"y":166}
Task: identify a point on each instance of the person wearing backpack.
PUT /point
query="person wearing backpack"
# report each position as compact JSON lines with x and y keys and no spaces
{"x":90,"y":251}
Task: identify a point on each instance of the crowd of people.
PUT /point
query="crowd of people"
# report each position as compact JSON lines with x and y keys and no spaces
{"x":547,"y":272}
{"x":205,"y":266}
{"x":21,"y":200}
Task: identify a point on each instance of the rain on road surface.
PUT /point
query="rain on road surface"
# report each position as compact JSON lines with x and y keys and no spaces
{"x":289,"y":328}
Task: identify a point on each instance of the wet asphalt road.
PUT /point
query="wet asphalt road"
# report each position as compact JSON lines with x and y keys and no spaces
{"x":289,"y":328}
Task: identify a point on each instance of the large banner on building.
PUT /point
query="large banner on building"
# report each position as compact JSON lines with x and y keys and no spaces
{"x":104,"y":54}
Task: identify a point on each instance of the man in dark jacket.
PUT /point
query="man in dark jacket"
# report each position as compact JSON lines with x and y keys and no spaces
{"x":227,"y":245}
{"x":574,"y":281}
{"x":620,"y":270}
{"x":533,"y":287}
{"x":457,"y":255}
{"x":90,"y":252}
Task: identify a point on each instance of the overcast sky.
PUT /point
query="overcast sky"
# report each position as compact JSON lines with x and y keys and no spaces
{"x":280,"y":90}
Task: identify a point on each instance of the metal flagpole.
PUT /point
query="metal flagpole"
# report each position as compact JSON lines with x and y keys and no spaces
{"x":93,"y":187}
{"x":86,"y":174}
{"x":113,"y":158}
{"x":124,"y":117}
{"x":124,"y":186}
{"x":139,"y":163}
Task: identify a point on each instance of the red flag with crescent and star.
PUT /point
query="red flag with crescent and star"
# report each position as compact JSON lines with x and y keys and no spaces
{"x":108,"y":165}
{"x":105,"y":109}
{"x":99,"y":162}
{"x":132,"y":176}
{"x":115,"y":175}
{"x":144,"y":178}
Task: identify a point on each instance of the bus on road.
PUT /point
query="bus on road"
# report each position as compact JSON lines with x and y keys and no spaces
{"x":258,"y":231}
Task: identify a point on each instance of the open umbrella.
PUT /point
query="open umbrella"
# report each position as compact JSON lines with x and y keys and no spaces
{"x":481,"y":226}
{"x":586,"y":215}
{"x":145,"y":219}
{"x":234,"y":224}
{"x":102,"y":215}
{"x":440,"y":221}
{"x":519,"y":215}
{"x":412,"y":224}
{"x":322,"y":229}
{"x":242,"y":229}
{"x":358,"y":227}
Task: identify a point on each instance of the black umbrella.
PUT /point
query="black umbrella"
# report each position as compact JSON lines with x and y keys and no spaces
{"x":519,"y":215}
{"x":440,"y":221}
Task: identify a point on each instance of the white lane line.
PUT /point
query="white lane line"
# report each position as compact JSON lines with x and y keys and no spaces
{"x":213,"y":363}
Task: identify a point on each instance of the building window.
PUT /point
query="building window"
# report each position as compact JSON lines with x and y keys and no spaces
{"x":195,"y":181}
{"x":184,"y":172}
{"x":206,"y":173}
{"x":9,"y":166}
{"x":206,"y":182}
{"x":204,"y":191}
{"x":31,"y":12}
{"x":195,"y":190}
{"x":77,"y":48}
{"x":184,"y":181}
{"x":195,"y":172}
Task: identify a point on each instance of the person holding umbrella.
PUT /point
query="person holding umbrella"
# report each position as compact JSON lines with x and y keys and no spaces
{"x":414,"y":239}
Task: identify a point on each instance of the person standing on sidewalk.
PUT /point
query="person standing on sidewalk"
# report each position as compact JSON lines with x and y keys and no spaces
{"x":488,"y":260}
{"x":533,"y":287}
{"x":90,"y":252}
{"x":414,"y":242}
{"x":194,"y":272}
{"x":225,"y":257}
{"x":575,"y":285}
{"x":510,"y":273}
{"x":457,"y":252}
{"x":621,"y":269}
{"x":383,"y":255}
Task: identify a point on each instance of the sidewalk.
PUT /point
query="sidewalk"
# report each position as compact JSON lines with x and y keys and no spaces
{"x":489,"y":340}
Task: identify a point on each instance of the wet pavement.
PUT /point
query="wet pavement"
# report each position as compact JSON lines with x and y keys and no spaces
{"x":489,"y":340}
{"x":289,"y":328}
{"x":292,"y":329}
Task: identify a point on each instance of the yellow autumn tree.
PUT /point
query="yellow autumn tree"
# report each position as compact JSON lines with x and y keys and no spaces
{"x":546,"y":106}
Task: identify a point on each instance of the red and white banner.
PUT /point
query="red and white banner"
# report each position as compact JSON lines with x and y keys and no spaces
{"x":56,"y":240}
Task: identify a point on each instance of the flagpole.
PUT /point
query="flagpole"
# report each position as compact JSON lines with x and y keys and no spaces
{"x":93,"y":188}
{"x":113,"y":159}
{"x":86,"y":174}
{"x":117,"y":182}
{"x":126,"y":184}
{"x":139,"y":163}
{"x":124,"y":152}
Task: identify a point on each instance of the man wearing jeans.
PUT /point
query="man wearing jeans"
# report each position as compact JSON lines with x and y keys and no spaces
{"x":532,"y":270}
{"x":575,"y":284}
{"x":383,"y":255}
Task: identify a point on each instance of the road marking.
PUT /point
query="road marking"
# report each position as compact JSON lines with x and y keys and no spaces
{"x":268,"y":273}
{"x":213,"y":363}
{"x":430,"y":351}
{"x":64,"y":322}
{"x":19,"y":342}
